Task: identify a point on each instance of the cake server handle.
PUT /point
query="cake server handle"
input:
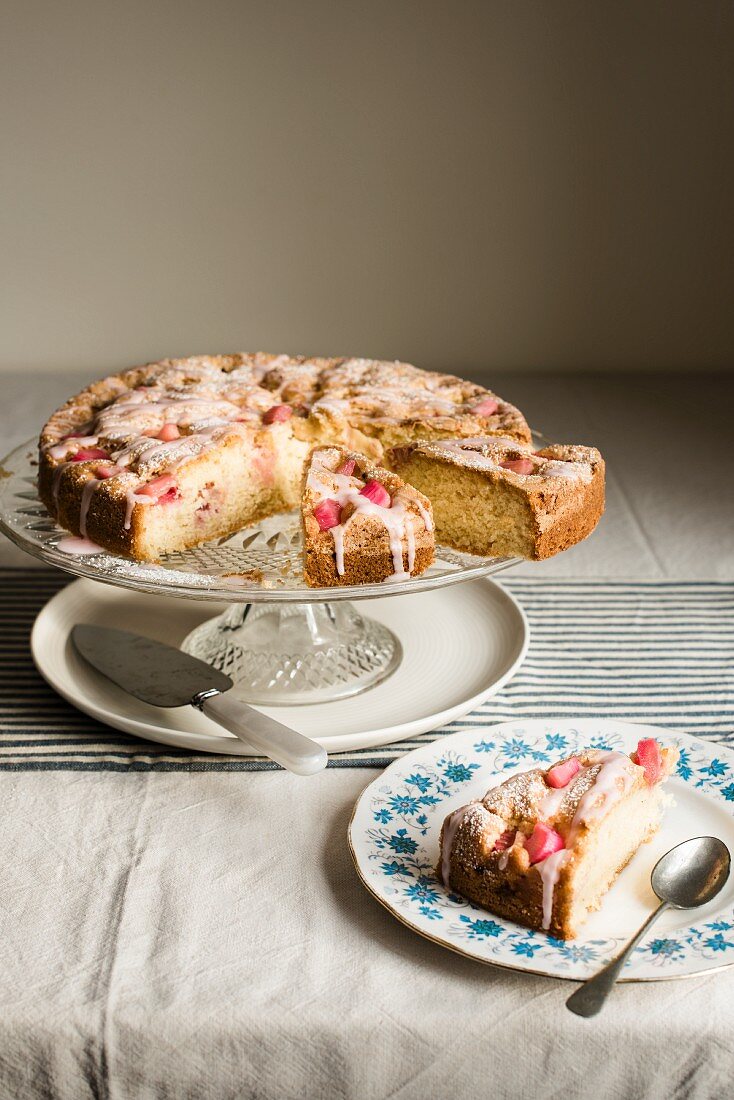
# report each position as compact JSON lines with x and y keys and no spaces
{"x":588,"y":999}
{"x":286,"y":746}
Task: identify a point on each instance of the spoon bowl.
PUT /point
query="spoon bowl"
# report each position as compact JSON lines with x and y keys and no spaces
{"x":692,"y":873}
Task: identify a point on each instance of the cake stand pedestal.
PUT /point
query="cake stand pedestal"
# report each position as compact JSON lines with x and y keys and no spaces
{"x":288,"y":654}
{"x":281,"y":642}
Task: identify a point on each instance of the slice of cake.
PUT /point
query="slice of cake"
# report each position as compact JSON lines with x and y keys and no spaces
{"x":544,"y":847}
{"x":361,"y":523}
{"x":495,"y":497}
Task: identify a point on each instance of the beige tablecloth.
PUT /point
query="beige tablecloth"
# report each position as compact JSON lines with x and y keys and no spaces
{"x":205,"y":935}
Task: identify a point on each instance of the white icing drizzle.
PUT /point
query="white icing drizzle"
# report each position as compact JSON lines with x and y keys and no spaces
{"x":325,"y":484}
{"x":451,"y":826}
{"x":468,"y":450}
{"x":192,"y":395}
{"x":616,"y":775}
{"x":87,"y":494}
{"x":517,"y":842}
{"x":571,"y":471}
{"x":69,"y":446}
{"x":551,"y":802}
{"x":154,"y":453}
{"x":138,"y":414}
{"x":425,"y":515}
{"x":400,"y":402}
{"x":410,"y":539}
{"x":489,"y":452}
{"x":132,"y":498}
{"x":549,"y":870}
{"x":331,"y":405}
{"x":60,"y":451}
{"x":56,"y":481}
{"x":337,"y":533}
{"x":80,"y":547}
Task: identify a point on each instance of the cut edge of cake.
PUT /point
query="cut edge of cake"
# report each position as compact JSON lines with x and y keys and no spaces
{"x":495,"y":497}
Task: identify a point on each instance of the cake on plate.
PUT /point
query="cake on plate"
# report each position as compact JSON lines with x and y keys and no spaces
{"x":166,"y":456}
{"x":544,"y":847}
{"x":361,"y":523}
{"x":494,"y":496}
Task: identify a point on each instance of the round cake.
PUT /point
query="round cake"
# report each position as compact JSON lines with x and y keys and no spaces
{"x":166,"y":456}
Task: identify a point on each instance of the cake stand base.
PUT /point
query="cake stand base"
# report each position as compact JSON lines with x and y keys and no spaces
{"x":291,"y":654}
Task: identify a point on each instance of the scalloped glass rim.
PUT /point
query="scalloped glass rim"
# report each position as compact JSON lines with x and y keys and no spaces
{"x":272,"y":546}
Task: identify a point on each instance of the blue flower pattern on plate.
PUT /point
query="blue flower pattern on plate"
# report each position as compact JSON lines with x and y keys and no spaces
{"x":406,"y":806}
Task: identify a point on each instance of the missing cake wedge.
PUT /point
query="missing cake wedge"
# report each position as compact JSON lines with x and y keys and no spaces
{"x":544,"y":847}
{"x":496,"y":497}
{"x":361,"y":523}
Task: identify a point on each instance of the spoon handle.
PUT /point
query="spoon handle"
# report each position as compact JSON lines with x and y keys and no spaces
{"x":588,"y":999}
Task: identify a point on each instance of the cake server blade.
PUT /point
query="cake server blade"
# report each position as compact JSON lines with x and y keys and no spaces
{"x":164,"y":676}
{"x":154,"y":672}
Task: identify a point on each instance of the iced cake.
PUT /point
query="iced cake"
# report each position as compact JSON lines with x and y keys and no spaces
{"x":169,"y":455}
{"x":544,"y":847}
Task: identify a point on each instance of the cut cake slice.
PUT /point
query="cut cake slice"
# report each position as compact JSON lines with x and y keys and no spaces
{"x":543,"y":848}
{"x":361,"y":523}
{"x":495,"y":497}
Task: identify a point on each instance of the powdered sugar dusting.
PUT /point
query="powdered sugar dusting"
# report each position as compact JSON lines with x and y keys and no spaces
{"x":489,"y":453}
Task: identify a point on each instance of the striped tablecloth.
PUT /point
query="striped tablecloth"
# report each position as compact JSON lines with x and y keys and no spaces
{"x":659,"y":652}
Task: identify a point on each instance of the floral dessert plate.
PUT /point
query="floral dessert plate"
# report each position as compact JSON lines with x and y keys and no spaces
{"x":394,"y":839}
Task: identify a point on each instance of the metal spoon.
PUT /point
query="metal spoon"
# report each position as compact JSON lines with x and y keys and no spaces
{"x":689,"y":875}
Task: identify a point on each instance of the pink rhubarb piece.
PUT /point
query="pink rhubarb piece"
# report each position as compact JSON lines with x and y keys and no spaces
{"x":377,"y":493}
{"x":543,"y":842}
{"x":169,"y":432}
{"x":86,"y":454}
{"x":518,"y":465}
{"x":561,"y":774}
{"x":649,"y":757}
{"x":504,"y":840}
{"x":103,"y":472}
{"x":163,"y":489}
{"x":487,"y":407}
{"x":347,"y":467}
{"x":277,"y":414}
{"x":327,"y":514}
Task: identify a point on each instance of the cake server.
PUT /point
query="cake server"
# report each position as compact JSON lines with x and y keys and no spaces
{"x":166,"y":677}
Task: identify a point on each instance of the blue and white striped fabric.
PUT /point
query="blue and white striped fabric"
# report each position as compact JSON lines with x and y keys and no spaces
{"x":659,"y":652}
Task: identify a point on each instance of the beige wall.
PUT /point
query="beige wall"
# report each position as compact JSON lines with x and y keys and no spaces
{"x":501,"y":185}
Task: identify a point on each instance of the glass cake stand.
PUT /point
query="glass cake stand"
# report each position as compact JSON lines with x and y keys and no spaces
{"x":279,"y":640}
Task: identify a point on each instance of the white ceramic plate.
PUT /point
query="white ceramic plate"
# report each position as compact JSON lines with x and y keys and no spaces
{"x":460,"y":645}
{"x":394,"y":835}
